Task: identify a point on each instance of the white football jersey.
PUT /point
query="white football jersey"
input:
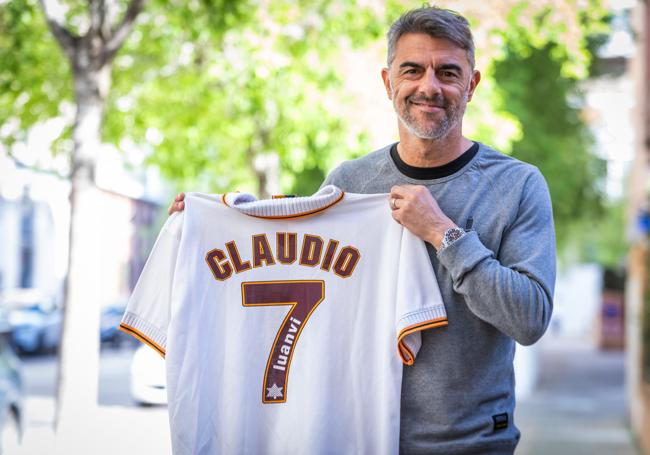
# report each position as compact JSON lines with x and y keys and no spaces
{"x":285,"y":323}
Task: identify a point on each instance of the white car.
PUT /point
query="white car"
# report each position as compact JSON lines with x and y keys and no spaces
{"x":148,"y":380}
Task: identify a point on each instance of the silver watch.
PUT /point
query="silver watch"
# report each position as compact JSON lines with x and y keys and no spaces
{"x":450,"y":236}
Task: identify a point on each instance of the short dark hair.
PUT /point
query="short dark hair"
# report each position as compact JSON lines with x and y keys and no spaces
{"x":435,"y":22}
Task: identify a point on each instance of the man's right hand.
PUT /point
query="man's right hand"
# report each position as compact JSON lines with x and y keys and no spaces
{"x":178,"y":205}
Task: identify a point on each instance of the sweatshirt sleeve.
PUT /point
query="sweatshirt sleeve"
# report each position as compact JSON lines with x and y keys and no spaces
{"x":514,"y":290}
{"x":334,"y":178}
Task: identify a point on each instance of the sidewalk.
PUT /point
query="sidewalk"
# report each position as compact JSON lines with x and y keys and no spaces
{"x":579,"y":404}
{"x":106,"y":430}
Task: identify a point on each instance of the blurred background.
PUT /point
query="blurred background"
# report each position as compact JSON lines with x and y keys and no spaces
{"x":109,"y":108}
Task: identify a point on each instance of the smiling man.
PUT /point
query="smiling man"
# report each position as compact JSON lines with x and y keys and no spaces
{"x":488,"y":224}
{"x":487,"y":221}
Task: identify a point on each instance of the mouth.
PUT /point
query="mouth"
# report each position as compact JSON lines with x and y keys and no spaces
{"x":427,"y":107}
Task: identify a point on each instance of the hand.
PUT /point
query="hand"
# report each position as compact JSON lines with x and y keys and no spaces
{"x":178,"y":204}
{"x":414,"y":208}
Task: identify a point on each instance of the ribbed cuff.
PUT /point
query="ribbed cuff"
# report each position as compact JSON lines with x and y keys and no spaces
{"x":410,"y":326}
{"x":145,"y":328}
{"x":462,"y":256}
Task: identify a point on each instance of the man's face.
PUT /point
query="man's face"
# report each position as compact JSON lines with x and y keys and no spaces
{"x":430,"y":82}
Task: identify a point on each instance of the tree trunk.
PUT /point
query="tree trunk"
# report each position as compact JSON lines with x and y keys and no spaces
{"x":90,"y":56}
{"x":79,"y":352}
{"x":265,"y":166}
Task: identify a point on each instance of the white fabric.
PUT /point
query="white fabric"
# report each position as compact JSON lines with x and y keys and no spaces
{"x":342,"y":394}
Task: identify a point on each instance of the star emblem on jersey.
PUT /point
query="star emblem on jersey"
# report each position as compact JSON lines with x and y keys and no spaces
{"x":273,"y":392}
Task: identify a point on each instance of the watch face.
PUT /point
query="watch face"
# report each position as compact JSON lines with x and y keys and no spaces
{"x":451,"y":235}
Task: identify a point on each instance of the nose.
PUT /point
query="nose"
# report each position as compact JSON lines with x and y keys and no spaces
{"x":430,"y":85}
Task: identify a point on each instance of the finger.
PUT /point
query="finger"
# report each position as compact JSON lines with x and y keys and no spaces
{"x":176,"y":207}
{"x":392,"y":203}
{"x":180,"y":197}
{"x":401,"y":191}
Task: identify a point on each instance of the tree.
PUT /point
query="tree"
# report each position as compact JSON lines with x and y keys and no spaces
{"x":267,"y":98}
{"x":90,"y":36}
{"x":554,"y":137}
{"x":90,"y":54}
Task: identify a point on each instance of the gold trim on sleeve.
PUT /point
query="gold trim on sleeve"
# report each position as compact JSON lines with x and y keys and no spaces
{"x":404,"y":352}
{"x":142,"y":337}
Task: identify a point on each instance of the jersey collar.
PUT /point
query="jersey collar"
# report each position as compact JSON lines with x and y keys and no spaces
{"x":291,"y":207}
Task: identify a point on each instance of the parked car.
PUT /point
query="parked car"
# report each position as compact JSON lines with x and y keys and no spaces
{"x":36,"y":328}
{"x":11,"y":391}
{"x":148,"y":379}
{"x":109,"y":332}
{"x":35,"y":319}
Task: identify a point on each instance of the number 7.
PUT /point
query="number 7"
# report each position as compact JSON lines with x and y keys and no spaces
{"x":303,"y":296}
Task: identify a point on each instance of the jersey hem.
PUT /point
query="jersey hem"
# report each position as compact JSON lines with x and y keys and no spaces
{"x":504,"y":447}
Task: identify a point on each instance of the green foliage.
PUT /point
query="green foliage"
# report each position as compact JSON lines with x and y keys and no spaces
{"x":206,"y":87}
{"x":601,"y":239}
{"x":268,"y":86}
{"x":34,"y":77}
{"x":609,"y":235}
{"x":554,"y":138}
{"x":565,"y":28}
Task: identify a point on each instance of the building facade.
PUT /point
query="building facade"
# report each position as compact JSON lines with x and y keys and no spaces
{"x":638,"y":281}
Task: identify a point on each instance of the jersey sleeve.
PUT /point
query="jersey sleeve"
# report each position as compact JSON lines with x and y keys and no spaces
{"x":419,"y":303}
{"x":148,"y":311}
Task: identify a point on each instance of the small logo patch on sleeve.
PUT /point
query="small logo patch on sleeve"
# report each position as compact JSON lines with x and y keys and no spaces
{"x":500,"y":421}
{"x":469,"y":224}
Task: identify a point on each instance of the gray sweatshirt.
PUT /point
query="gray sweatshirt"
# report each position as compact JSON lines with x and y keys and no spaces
{"x":497,"y":285}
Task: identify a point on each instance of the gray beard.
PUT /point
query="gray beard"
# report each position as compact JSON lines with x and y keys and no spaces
{"x":453,"y":114}
{"x":436,"y":131}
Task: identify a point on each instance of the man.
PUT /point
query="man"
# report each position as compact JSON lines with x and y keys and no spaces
{"x":487,"y":221}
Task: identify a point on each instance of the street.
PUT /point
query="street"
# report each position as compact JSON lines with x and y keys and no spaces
{"x":39,"y":375}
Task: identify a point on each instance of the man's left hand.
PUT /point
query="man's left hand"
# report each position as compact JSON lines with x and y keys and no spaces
{"x":414,"y":207}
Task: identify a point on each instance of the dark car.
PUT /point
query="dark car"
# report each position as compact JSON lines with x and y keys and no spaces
{"x":109,"y":332}
{"x":36,"y":328}
{"x":11,"y":391}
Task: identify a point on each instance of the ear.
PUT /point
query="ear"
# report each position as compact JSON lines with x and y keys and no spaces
{"x":476,"y":78}
{"x":385,"y":76}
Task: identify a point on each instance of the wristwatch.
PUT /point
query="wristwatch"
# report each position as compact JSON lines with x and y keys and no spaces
{"x":450,"y":236}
